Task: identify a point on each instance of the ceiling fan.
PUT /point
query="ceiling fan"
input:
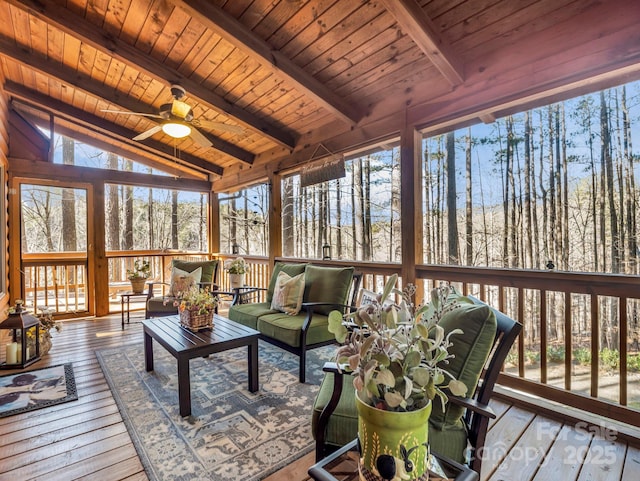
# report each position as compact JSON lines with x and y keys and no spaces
{"x":178,"y":122}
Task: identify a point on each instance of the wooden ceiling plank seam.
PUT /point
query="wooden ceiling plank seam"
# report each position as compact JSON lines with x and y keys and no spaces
{"x":413,"y":58}
{"x":181,"y":46}
{"x":38,"y":38}
{"x":235,"y":32}
{"x":100,"y":67}
{"x":137,"y":12}
{"x":338,"y":60}
{"x":152,"y":26}
{"x":21,"y":26}
{"x":478,"y":43}
{"x":339,"y":35}
{"x":361,"y":46}
{"x":317,"y":29}
{"x":460,"y":13}
{"x":124,"y":52}
{"x":438,"y":8}
{"x":86,"y":60}
{"x":114,"y":18}
{"x":96,"y":11}
{"x":198,"y":53}
{"x":308,"y":14}
{"x":6,"y":27}
{"x":55,"y":44}
{"x":92,"y":88}
{"x":255,"y":13}
{"x":174,"y":29}
{"x":71,"y":55}
{"x":238,"y":91}
{"x":495,"y":14}
{"x":235,"y":7}
{"x":74,"y":114}
{"x":414,"y":22}
{"x":345,"y":70}
{"x":279,"y":15}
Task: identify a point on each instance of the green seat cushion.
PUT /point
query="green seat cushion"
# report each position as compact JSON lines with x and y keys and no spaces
{"x":161,"y":304}
{"x":208,"y":268}
{"x":449,"y":441}
{"x":247,"y":314}
{"x":471,"y":350}
{"x":327,"y":284}
{"x":291,"y":269}
{"x":343,"y":423}
{"x":287,"y":328}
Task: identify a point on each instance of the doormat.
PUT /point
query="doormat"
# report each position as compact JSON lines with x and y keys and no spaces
{"x":27,"y":391}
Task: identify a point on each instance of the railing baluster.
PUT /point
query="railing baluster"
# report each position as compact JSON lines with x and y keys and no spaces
{"x":543,"y":336}
{"x":595,"y":344}
{"x":568,"y":341}
{"x":623,"y":335}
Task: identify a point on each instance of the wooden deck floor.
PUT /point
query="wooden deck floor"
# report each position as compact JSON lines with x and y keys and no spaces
{"x":87,"y":439}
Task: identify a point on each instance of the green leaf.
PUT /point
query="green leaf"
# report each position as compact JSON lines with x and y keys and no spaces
{"x":386,"y":378}
{"x":382,"y":359}
{"x":412,"y":359}
{"x":421,"y":376}
{"x":337,"y":327}
{"x":393,"y":399}
{"x":457,"y":388}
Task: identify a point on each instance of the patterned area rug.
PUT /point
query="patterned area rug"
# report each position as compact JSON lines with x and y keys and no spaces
{"x":232,"y":434}
{"x":26,"y":391}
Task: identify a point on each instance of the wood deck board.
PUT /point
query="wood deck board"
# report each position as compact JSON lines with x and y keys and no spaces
{"x":87,"y":439}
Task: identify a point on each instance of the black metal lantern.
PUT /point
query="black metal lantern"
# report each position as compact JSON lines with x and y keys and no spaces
{"x":326,"y":252}
{"x":24,"y":344}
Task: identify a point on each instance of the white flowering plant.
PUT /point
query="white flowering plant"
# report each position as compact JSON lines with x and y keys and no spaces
{"x":235,"y":266}
{"x":397,"y":353}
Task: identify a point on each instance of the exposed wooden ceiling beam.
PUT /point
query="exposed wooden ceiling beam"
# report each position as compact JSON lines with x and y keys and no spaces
{"x":214,"y":18}
{"x":415,"y":23}
{"x":107,"y":129}
{"x":39,"y":169}
{"x":93,"y":88}
{"x":76,"y":26}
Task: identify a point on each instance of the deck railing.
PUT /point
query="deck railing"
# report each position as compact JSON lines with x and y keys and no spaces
{"x":579,"y":346}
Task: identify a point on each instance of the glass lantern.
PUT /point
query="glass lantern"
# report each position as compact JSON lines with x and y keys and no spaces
{"x":23,"y":347}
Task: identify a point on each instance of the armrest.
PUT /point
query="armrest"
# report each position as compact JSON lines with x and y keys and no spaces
{"x":472,"y":405}
{"x":242,"y":295}
{"x":329,"y":408}
{"x":151,"y":287}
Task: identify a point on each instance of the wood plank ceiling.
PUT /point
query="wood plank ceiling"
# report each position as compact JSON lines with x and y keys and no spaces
{"x":281,"y":76}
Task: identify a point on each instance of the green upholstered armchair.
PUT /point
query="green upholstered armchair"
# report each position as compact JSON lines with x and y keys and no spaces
{"x":183,"y":272}
{"x":324,"y":289}
{"x":459,"y":431}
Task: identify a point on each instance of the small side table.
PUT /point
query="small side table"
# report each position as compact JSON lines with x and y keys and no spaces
{"x":125,"y":298}
{"x":342,"y":465}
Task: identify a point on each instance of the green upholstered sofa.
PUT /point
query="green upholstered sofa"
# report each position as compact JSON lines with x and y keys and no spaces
{"x":325,"y":289}
{"x":162,"y":305}
{"x":456,"y":432}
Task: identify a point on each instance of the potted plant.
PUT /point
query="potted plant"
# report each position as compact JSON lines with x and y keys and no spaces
{"x":196,"y":307}
{"x":138,"y":275}
{"x":236,"y":268}
{"x":397,"y":355}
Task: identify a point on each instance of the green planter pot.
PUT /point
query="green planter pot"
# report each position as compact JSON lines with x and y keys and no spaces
{"x":383,"y":433}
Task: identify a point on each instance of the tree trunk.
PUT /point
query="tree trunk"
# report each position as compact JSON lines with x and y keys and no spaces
{"x":452,"y":222}
{"x":69,"y":238}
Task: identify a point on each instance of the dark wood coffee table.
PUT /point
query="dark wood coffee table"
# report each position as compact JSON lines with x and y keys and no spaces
{"x":184,"y":345}
{"x":342,"y":465}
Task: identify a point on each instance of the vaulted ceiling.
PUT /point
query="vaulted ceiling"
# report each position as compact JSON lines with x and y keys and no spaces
{"x":269,"y":80}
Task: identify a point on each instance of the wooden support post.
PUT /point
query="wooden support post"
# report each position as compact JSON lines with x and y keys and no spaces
{"x":96,"y":253}
{"x":214,"y":223}
{"x":275,"y":218}
{"x":411,"y":205}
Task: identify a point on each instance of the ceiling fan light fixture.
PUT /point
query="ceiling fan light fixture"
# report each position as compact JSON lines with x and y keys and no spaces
{"x":177,"y":130}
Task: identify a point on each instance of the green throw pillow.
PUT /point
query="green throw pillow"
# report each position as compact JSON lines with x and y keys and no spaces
{"x":287,"y":293}
{"x":328,"y":284}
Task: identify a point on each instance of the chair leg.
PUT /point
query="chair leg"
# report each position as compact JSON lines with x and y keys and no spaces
{"x":302,"y":369}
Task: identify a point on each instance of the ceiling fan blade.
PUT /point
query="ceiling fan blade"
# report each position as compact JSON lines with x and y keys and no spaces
{"x":222,"y":127}
{"x":200,"y":139}
{"x":124,"y":112}
{"x":148,"y":133}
